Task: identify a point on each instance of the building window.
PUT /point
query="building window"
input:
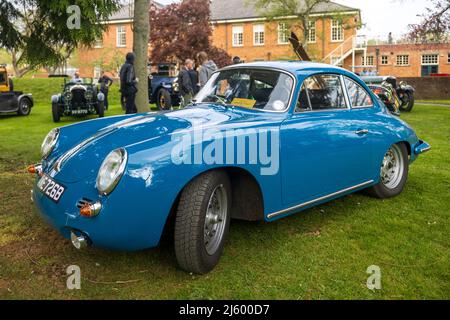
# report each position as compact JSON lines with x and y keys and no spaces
{"x":98,"y":43}
{"x":121,"y":36}
{"x":368,"y":61}
{"x":238,"y":36}
{"x":311,"y":31}
{"x":384,"y":60}
{"x":448,"y":58}
{"x":97,"y":72}
{"x":258,"y":35}
{"x":403,"y":60}
{"x":283,"y":33}
{"x":337,"y":32}
{"x":430,"y":59}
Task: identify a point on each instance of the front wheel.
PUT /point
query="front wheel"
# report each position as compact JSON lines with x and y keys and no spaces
{"x":393,"y":174}
{"x":407,"y":102}
{"x":164,"y":100}
{"x":101,"y":109}
{"x":202,"y":222}
{"x":55,"y":113}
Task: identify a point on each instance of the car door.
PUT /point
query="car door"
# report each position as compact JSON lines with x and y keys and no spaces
{"x":7,"y":101}
{"x":321,"y":147}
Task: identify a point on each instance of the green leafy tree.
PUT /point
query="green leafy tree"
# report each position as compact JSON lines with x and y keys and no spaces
{"x":42,"y":33}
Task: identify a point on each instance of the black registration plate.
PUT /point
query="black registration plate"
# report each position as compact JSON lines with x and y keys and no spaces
{"x":50,"y":188}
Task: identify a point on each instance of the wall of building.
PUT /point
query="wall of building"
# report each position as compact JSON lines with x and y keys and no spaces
{"x":108,"y":55}
{"x":415,"y":52}
{"x":430,"y":88}
{"x":272,"y":49}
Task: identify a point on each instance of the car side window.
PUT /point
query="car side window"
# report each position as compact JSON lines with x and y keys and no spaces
{"x":358,"y":96}
{"x":321,"y":92}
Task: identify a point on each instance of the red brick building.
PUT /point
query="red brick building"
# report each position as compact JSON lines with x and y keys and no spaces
{"x":408,"y":60}
{"x":242,"y":31}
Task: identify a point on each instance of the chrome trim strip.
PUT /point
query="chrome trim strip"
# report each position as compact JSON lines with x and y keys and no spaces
{"x":332,"y":195}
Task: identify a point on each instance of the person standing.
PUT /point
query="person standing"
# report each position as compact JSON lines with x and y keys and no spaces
{"x":186,"y":85}
{"x":128,"y":83}
{"x":105,"y":82}
{"x":76,"y":78}
{"x":207,"y":68}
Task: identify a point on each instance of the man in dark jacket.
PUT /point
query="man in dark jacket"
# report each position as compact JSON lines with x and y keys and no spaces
{"x":105,"y":82}
{"x":187,"y":87}
{"x":128,"y":83}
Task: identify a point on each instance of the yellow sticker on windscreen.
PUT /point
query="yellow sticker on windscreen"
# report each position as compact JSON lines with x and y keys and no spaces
{"x":244,"y":103}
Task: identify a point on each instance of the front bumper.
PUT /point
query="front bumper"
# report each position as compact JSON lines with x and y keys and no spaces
{"x":421,"y":148}
{"x":121,"y":225}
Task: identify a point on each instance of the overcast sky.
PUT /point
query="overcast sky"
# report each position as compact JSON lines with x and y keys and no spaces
{"x":382,"y":16}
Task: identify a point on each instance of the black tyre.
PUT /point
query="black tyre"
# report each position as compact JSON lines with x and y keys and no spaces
{"x":55,"y":112}
{"x":24,"y":107}
{"x":202,"y":222}
{"x":407,"y":102}
{"x":164,"y":100}
{"x":101,"y":109}
{"x":393,"y":174}
{"x":11,"y":85}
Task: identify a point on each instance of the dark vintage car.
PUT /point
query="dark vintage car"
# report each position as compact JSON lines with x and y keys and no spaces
{"x":78,"y":98}
{"x":163,"y":86}
{"x":400,"y":91}
{"x":10,"y":100}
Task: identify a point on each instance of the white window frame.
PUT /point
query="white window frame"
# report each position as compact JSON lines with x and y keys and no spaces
{"x":336,"y":25}
{"x":312,"y":32}
{"x":402,"y":60}
{"x":237,"y":34}
{"x":98,"y":43}
{"x":383,"y":63}
{"x":426,"y":59}
{"x":283,"y":36}
{"x":367,"y":58}
{"x":97,"y":72}
{"x":121,"y":31}
{"x":259,"y":34}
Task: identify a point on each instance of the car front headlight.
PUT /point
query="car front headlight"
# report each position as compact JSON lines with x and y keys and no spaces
{"x":49,"y":143}
{"x":89,"y":95}
{"x":68,"y":95}
{"x":176,"y":86}
{"x":111,"y":171}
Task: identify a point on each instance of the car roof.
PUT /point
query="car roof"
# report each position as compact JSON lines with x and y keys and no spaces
{"x":293,"y":66}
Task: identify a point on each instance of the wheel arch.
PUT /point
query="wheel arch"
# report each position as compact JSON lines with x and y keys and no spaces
{"x":247,"y":197}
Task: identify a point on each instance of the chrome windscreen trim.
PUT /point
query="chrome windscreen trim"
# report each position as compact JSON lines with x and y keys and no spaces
{"x":306,"y":204}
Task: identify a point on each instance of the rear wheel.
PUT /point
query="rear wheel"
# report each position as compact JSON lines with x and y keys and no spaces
{"x":164,"y":100}
{"x":394,"y":173}
{"x":407,"y":102}
{"x":55,"y":112}
{"x":24,"y":107}
{"x":202,"y":222}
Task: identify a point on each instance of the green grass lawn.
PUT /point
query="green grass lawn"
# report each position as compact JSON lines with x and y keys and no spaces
{"x":322,"y":253}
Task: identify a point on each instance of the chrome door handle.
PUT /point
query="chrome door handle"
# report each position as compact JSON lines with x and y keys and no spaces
{"x":362,"y":132}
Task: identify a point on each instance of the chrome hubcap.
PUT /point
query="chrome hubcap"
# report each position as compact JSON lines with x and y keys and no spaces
{"x":215,"y":220}
{"x":392,"y":168}
{"x":24,"y":107}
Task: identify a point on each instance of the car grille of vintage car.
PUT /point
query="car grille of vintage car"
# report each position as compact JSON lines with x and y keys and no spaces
{"x":78,"y":99}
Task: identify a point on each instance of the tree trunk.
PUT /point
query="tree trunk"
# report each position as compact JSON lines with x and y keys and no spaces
{"x":140,"y":47}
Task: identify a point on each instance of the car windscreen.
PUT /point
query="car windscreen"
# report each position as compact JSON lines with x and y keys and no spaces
{"x":2,"y":77}
{"x":261,"y":89}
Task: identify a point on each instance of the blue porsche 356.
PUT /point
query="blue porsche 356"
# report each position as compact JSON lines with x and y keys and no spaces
{"x":261,"y":141}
